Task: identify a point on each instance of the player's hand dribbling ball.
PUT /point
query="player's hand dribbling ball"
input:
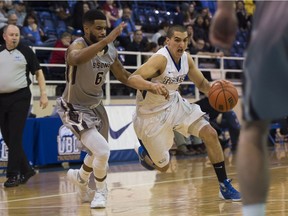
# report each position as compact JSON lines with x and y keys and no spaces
{"x":223,"y":96}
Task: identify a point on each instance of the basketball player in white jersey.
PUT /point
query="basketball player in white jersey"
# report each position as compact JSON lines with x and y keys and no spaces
{"x":156,"y":116}
{"x":264,"y":91}
{"x":89,"y":59}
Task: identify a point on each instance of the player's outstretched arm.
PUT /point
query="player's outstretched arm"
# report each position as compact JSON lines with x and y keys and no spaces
{"x":224,"y":25}
{"x":77,"y":53}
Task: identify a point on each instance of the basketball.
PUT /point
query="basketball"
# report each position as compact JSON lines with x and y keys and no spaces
{"x":223,"y":96}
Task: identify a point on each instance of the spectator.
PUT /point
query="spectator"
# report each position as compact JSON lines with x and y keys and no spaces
{"x":76,"y":34}
{"x":150,"y":47}
{"x":183,"y":17}
{"x":80,"y":8}
{"x":19,"y":9}
{"x":12,"y":19}
{"x":58,"y":57}
{"x":15,"y":97}
{"x":199,"y":28}
{"x":3,"y":15}
{"x":191,"y":41}
{"x":62,"y":11}
{"x":205,"y":12}
{"x":242,"y":16}
{"x":32,"y":31}
{"x":203,"y":50}
{"x":138,"y":44}
{"x":193,"y":13}
{"x":125,"y":37}
{"x":111,"y":11}
{"x":163,"y":28}
{"x":249,"y":7}
{"x":161,"y":42}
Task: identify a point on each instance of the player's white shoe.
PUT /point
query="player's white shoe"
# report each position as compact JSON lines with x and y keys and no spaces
{"x":85,"y":193}
{"x":100,"y":198}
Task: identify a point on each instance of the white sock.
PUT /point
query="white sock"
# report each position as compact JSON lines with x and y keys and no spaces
{"x":84,"y":175}
{"x":254,"y":210}
{"x":100,"y":185}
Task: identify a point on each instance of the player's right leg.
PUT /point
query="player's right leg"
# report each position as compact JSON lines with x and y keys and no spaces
{"x":80,"y":178}
{"x":100,"y":150}
{"x":83,"y":125}
{"x":144,"y":157}
{"x":154,"y":152}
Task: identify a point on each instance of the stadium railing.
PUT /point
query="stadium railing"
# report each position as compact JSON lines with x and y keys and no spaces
{"x":219,"y":72}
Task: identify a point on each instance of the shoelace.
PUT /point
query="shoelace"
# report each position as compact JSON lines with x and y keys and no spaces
{"x":230,"y":188}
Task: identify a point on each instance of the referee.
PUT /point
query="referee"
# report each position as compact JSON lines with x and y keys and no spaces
{"x":16,"y":61}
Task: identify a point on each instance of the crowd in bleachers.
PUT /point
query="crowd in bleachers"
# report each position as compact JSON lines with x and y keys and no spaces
{"x":46,"y":23}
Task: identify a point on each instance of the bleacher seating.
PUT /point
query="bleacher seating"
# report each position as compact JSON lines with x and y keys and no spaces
{"x":149,"y":15}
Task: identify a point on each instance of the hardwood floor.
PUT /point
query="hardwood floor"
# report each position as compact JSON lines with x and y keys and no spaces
{"x":188,"y":188}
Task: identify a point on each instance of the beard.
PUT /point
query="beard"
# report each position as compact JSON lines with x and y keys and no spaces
{"x":93,"y":39}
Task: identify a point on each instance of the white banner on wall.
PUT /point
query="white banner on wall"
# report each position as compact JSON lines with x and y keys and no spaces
{"x":121,"y":133}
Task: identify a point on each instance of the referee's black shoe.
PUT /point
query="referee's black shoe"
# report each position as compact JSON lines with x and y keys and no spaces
{"x":25,"y":177}
{"x":12,"y":181}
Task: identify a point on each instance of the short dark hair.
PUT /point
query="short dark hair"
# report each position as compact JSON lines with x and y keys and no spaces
{"x":174,"y":28}
{"x":92,"y":15}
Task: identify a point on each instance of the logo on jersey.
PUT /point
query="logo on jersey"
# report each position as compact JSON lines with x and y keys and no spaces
{"x":174,"y":80}
{"x":3,"y":152}
{"x":67,"y":145}
{"x":101,"y":65}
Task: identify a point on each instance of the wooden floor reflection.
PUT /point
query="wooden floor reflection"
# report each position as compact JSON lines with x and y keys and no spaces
{"x":188,"y":188}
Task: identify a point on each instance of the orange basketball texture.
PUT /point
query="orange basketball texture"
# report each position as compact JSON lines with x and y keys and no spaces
{"x":223,"y":96}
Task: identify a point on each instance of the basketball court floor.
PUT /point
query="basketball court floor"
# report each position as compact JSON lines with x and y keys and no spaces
{"x":188,"y":188}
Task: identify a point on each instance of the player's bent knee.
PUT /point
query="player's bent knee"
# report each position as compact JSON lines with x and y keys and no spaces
{"x":208,"y":133}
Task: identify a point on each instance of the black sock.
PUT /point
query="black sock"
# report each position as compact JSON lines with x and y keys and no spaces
{"x":220,"y":171}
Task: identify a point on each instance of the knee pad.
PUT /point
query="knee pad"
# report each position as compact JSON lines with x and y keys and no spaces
{"x":95,"y":143}
{"x":88,"y":160}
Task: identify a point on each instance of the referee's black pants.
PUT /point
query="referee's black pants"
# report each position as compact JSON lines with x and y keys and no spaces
{"x":14,"y":109}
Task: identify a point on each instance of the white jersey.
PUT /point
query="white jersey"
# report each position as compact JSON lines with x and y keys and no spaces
{"x":156,"y":118}
{"x":172,"y":77}
{"x":85,"y":81}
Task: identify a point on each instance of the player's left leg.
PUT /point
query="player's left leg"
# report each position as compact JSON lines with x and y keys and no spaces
{"x":208,"y":134}
{"x":100,"y":150}
{"x":252,"y":165}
